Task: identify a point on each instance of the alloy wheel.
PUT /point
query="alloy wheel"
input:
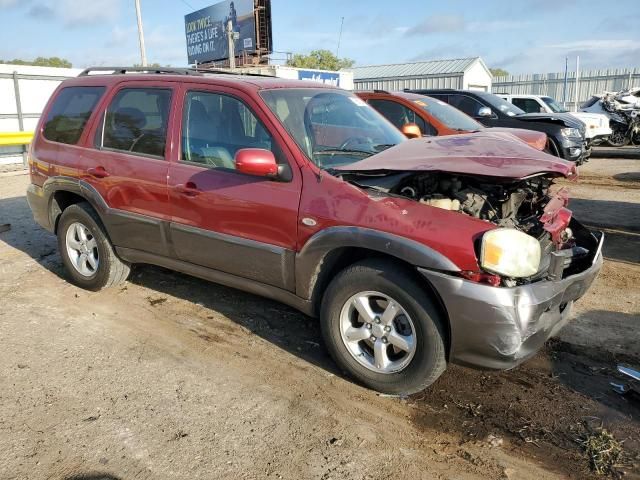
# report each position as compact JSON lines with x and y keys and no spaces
{"x":378,"y":332}
{"x":82,"y":249}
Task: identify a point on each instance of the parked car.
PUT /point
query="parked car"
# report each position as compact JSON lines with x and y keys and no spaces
{"x":597,"y":125}
{"x":435,"y":117}
{"x":304,"y":194}
{"x":566,"y":133}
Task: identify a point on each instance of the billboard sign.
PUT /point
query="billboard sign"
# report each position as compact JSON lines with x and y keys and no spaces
{"x":328,"y":78}
{"x":206,"y":30}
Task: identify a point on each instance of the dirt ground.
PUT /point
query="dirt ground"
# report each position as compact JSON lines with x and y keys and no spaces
{"x":174,"y":377}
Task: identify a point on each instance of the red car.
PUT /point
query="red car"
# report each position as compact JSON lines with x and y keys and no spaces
{"x":305,"y":194}
{"x":435,"y":117}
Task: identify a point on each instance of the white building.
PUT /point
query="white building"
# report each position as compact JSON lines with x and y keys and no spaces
{"x":461,"y":73}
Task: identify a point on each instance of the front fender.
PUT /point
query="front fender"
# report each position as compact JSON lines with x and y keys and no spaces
{"x":313,"y":255}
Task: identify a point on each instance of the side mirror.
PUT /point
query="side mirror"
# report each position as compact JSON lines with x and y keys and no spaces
{"x":411,"y":130}
{"x":485,"y":112}
{"x":257,"y":162}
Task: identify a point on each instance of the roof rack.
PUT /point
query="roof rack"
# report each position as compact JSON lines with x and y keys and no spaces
{"x":166,"y":70}
{"x":124,"y":70}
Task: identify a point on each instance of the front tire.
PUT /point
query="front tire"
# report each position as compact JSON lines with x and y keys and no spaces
{"x":87,"y":254}
{"x":618,"y":138}
{"x":382,"y":329}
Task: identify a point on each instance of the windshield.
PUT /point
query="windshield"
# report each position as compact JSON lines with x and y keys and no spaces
{"x":445,"y":113}
{"x":553,"y":105}
{"x":332,"y":127}
{"x":502,"y":105}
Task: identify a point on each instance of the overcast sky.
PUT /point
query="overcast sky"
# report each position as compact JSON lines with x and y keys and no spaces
{"x":521,"y":36}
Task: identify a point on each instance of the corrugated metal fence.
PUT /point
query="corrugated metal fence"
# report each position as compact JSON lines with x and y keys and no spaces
{"x":590,"y":82}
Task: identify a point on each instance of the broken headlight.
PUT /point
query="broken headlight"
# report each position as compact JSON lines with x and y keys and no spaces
{"x":509,"y":252}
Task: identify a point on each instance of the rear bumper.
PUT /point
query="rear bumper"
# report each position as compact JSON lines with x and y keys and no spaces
{"x":498,"y":327}
{"x":39,"y":204}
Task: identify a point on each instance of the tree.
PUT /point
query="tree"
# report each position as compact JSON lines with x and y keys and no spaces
{"x":41,"y":62}
{"x":320,"y":59}
{"x":498,"y":72}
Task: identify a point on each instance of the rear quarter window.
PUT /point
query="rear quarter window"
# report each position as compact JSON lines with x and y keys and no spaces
{"x":70,"y":112}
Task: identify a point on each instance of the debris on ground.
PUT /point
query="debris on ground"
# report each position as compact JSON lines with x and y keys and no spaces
{"x":494,"y":440}
{"x":156,"y":301}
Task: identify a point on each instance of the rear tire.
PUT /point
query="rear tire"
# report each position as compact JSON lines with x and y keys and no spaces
{"x":411,"y":344}
{"x":87,"y":254}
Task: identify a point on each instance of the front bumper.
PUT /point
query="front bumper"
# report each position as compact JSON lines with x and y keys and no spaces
{"x":573,"y":149}
{"x":499,"y":327}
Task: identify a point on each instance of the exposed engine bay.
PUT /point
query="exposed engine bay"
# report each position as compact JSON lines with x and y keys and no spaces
{"x":522,"y":204}
{"x":511,"y":203}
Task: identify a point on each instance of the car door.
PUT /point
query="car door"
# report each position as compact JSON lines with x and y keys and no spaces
{"x":129,"y":165}
{"x":220,"y":218}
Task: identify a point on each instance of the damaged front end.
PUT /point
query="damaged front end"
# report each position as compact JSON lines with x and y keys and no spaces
{"x":532,"y":265}
{"x":526,"y":205}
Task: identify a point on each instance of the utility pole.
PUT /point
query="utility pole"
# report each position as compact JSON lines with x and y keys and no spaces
{"x":339,"y":38}
{"x":564,"y":89}
{"x":143,"y":53}
{"x":577,"y":95}
{"x":232,"y":45}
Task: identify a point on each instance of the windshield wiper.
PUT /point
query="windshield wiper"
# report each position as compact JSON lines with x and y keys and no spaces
{"x":338,"y":151}
{"x":379,"y":147}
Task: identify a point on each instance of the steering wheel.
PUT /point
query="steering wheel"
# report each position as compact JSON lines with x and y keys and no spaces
{"x":360,"y":140}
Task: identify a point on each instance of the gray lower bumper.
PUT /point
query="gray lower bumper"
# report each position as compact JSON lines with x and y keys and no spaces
{"x":497,"y":327}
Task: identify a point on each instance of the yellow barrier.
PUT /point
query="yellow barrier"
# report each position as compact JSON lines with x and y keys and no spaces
{"x":15,"y":138}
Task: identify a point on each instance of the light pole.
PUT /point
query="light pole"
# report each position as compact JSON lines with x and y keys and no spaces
{"x":143,"y":53}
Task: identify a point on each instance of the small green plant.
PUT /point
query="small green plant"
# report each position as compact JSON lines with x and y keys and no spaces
{"x":604,"y":451}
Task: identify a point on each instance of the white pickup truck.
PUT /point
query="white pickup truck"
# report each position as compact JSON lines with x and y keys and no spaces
{"x":597,"y":124}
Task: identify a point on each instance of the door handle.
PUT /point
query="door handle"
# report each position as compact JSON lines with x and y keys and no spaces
{"x":98,"y":172}
{"x":189,"y":189}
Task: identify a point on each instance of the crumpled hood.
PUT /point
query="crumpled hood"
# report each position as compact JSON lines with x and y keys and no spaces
{"x":560,"y":118}
{"x":598,"y":119}
{"x":483,"y":153}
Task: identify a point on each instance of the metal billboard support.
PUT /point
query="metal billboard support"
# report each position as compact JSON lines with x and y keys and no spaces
{"x":232,"y":45}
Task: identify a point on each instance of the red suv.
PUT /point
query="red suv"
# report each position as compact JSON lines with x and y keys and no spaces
{"x":413,"y":253}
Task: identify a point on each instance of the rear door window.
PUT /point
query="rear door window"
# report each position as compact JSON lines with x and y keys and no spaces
{"x":136,"y":121}
{"x":70,"y":112}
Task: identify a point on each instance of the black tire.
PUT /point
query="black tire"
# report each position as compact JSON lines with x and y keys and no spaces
{"x":111,"y":270}
{"x":552,"y":148}
{"x":389,"y":278}
{"x":618,"y":139}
